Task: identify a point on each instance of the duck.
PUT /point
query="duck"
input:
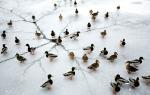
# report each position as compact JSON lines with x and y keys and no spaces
{"x":91,"y":12}
{"x":17,"y":41}
{"x":71,"y":73}
{"x":122,"y":43}
{"x":75,"y":35}
{"x":60,"y":17}
{"x":31,"y":49}
{"x":52,"y":33}
{"x":33,"y":17}
{"x":38,"y":34}
{"x":146,"y":78}
{"x":118,"y":7}
{"x":76,"y":11}
{"x":48,"y":83}
{"x":4,"y":49}
{"x":131,"y":68}
{"x":89,"y":25}
{"x":66,"y":32}
{"x":3,"y":35}
{"x":113,"y":57}
{"x":95,"y":14}
{"x":120,"y":80}
{"x":59,"y":40}
{"x":71,"y":55}
{"x":85,"y":58}
{"x":75,"y":2}
{"x":116,"y":87}
{"x":107,"y":15}
{"x":9,"y":23}
{"x":104,"y":33}
{"x":136,"y":62}
{"x":20,"y":58}
{"x":51,"y":56}
{"x":134,"y":82}
{"x":94,"y":66}
{"x":104,"y":52}
{"x":89,"y":48}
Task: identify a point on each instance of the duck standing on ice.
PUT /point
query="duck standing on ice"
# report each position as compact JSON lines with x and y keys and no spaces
{"x":71,"y":73}
{"x":48,"y":83}
{"x":89,"y":48}
{"x":4,"y":49}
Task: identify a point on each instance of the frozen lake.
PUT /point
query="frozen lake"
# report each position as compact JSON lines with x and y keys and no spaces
{"x":131,"y":22}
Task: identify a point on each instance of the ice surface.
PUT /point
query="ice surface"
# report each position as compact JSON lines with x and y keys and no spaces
{"x":132,"y":22}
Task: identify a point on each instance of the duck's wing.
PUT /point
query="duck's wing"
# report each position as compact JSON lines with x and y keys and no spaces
{"x":146,"y":77}
{"x":68,"y":73}
{"x":133,"y":61}
{"x":87,"y":48}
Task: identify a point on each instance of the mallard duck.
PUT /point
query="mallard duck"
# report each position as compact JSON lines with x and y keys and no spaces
{"x":134,"y":82}
{"x":76,"y":11}
{"x":33,"y":17}
{"x":122,"y":43}
{"x":59,"y":41}
{"x":48,"y":83}
{"x":95,"y":14}
{"x":131,"y":68}
{"x":60,"y":17}
{"x":89,"y":25}
{"x":52,"y":33}
{"x":136,"y":62}
{"x":71,"y":73}
{"x":75,"y":35}
{"x":75,"y":2}
{"x":20,"y":58}
{"x":104,"y":33}
{"x":17,"y":41}
{"x":50,"y":55}
{"x":146,"y":78}
{"x":113,"y":57}
{"x":31,"y":49}
{"x":4,"y":49}
{"x":85,"y":58}
{"x":3,"y":35}
{"x":89,"y":48}
{"x":118,"y":7}
{"x":91,"y":12}
{"x":66,"y":32}
{"x":38,"y":34}
{"x":72,"y":55}
{"x":120,"y":80}
{"x":107,"y":15}
{"x":94,"y":66}
{"x":104,"y":52}
{"x":116,"y":87}
{"x":9,"y":23}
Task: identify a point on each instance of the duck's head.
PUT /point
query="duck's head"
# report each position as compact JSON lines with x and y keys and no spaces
{"x":97,"y":61}
{"x":141,"y":58}
{"x":137,"y":79}
{"x":92,"y":45}
{"x":33,"y":16}
{"x":78,"y":32}
{"x":59,"y":37}
{"x":115,"y":53}
{"x":117,"y":76}
{"x":27,"y":45}
{"x":17,"y":54}
{"x":123,"y":39}
{"x":46,"y":52}
{"x":49,"y":76}
{"x":16,"y":38}
{"x":104,"y":48}
{"x":4,"y":45}
{"x":4,"y":31}
{"x":73,"y":68}
{"x":105,"y":31}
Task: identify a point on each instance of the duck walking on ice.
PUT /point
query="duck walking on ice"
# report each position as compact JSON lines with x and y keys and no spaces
{"x":17,"y":41}
{"x":104,"y":33}
{"x":20,"y":58}
{"x":89,"y":48}
{"x":131,"y":68}
{"x":134,"y":82}
{"x":116,"y":87}
{"x":71,"y":73}
{"x":113,"y":57}
{"x":50,"y":55}
{"x":136,"y":62}
{"x":75,"y":35}
{"x":122,"y":43}
{"x":3,"y":35}
{"x":120,"y":80}
{"x":31,"y":49}
{"x":72,"y":55}
{"x":48,"y":83}
{"x":94,"y":66}
{"x":85,"y":58}
{"x":104,"y":52}
{"x":4,"y":49}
